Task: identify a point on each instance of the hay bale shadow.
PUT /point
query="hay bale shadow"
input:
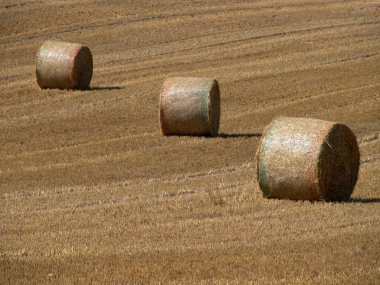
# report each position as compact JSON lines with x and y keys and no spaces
{"x":363,"y":200}
{"x":105,"y":88}
{"x":221,"y":135}
{"x":242,"y":135}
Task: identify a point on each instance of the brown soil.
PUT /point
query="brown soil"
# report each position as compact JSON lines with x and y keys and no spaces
{"x":90,"y":191}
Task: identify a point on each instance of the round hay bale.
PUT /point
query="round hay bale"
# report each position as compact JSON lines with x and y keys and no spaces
{"x":190,"y":106}
{"x":64,"y":65}
{"x":307,"y":159}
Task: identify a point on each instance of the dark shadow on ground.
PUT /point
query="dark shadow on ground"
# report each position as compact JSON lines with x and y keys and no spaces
{"x":106,"y":88}
{"x":364,"y":200}
{"x":227,"y":136}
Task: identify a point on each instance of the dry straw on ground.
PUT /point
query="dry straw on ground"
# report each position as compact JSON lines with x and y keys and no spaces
{"x":190,"y":106}
{"x":307,"y":159}
{"x":64,"y":65}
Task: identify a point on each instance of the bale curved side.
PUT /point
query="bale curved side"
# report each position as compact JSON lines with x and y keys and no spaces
{"x":163,"y":107}
{"x":260,"y":165}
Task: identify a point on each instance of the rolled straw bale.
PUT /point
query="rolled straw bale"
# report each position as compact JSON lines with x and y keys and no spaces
{"x":64,"y":65}
{"x":307,"y":159}
{"x":190,"y":106}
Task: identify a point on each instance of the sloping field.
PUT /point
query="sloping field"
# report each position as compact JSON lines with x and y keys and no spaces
{"x":90,"y":191}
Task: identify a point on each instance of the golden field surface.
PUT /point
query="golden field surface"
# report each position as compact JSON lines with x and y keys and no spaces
{"x":91,"y":192}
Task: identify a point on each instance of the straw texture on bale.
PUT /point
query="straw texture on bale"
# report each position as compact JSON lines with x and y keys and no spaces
{"x":307,"y":159}
{"x":64,"y":65}
{"x":190,"y":106}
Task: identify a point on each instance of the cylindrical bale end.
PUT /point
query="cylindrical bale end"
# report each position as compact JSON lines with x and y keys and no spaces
{"x":190,"y":106}
{"x":64,"y":65}
{"x":307,"y":159}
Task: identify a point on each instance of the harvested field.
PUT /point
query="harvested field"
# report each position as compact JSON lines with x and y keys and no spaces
{"x":90,"y":191}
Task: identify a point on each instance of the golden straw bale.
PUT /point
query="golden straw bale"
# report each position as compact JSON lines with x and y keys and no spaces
{"x":190,"y":106}
{"x":64,"y":65}
{"x":307,"y":159}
